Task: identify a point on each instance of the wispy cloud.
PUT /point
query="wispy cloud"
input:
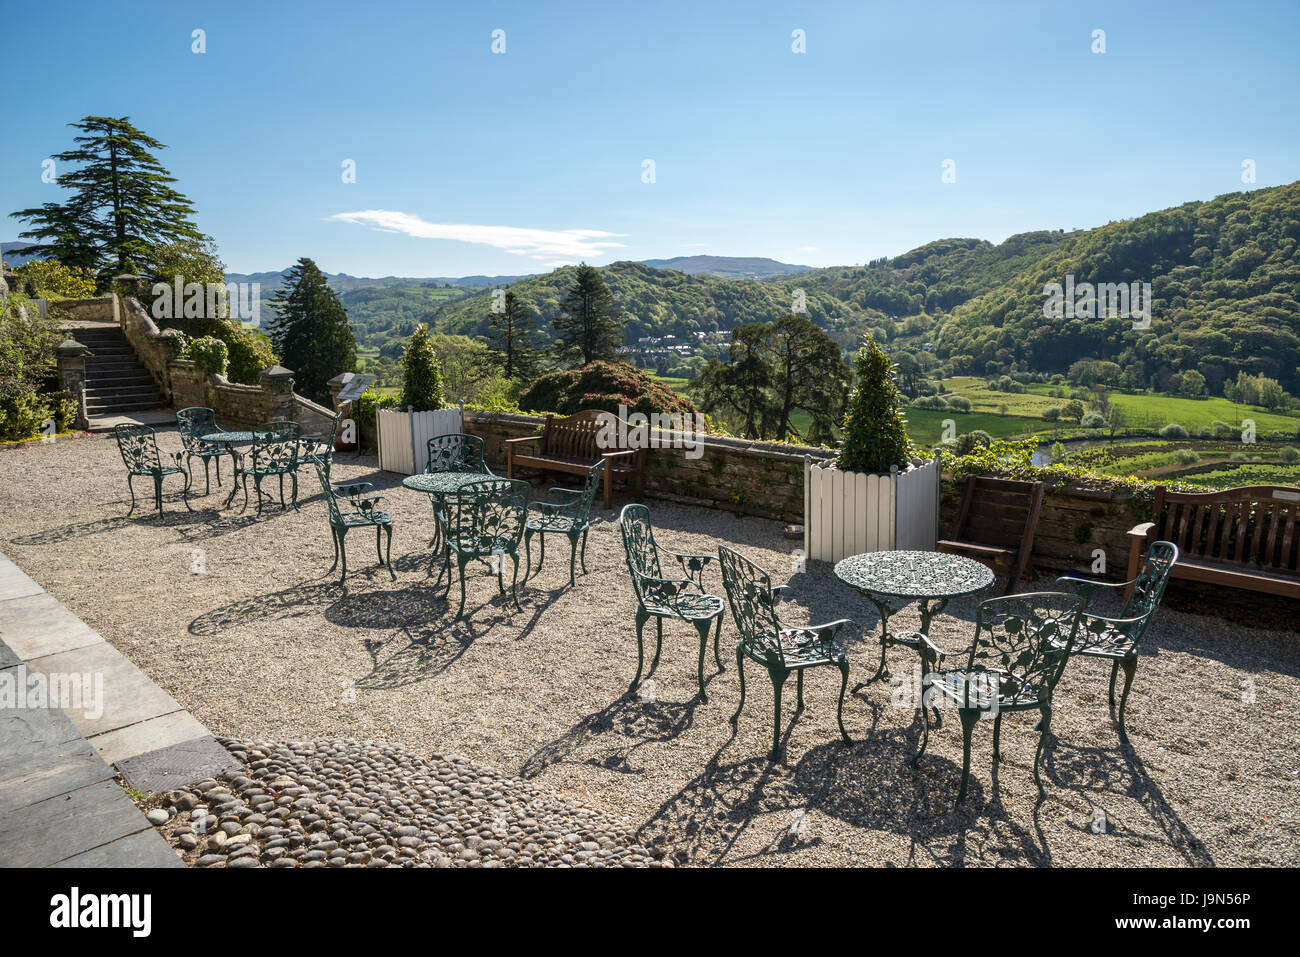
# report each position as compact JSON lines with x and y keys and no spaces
{"x":563,"y":245}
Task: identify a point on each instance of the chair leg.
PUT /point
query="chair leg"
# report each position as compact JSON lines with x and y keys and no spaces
{"x":294,"y":477}
{"x":388,"y":551}
{"x":703,"y":627}
{"x":461,"y":561}
{"x":641,"y":616}
{"x":282,"y":490}
{"x":528,"y":553}
{"x":717,"y":634}
{"x":573,"y":555}
{"x":659,"y":643}
{"x":582,"y":555}
{"x":997,"y":737}
{"x":131,"y":488}
{"x":334,"y":538}
{"x":969,"y":718}
{"x":798,"y":701}
{"x":740,"y":670}
{"x":1114,"y":670}
{"x":778,"y":676}
{"x":1045,"y":725}
{"x":343,"y":553}
{"x":257,"y":487}
{"x":185,"y":493}
{"x":514,"y":580}
{"x":1130,"y":666}
{"x":839,"y":708}
{"x":157,"y":492}
{"x":207,"y":477}
{"x":379,"y":553}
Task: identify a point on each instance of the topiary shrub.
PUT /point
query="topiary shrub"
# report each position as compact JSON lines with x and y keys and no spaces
{"x":421,"y":374}
{"x":1173,"y":431}
{"x":603,"y":386}
{"x":209,"y":354}
{"x":875,"y":432}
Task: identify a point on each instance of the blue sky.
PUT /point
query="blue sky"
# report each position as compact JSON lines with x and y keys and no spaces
{"x":469,"y":161}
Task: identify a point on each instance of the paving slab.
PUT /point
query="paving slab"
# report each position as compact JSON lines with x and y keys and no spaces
{"x":8,"y":658}
{"x":145,"y":849}
{"x":39,"y":625}
{"x":144,"y":737}
{"x":177,"y":765}
{"x":55,"y":770}
{"x":61,"y":827}
{"x":128,"y":695}
{"x":14,"y":583}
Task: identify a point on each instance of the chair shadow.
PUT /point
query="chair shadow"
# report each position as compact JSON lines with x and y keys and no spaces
{"x":299,"y":599}
{"x":623,"y":727}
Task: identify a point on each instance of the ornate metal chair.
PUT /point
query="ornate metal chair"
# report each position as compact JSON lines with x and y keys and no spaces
{"x":570,"y":518}
{"x":1021,"y":645}
{"x":276,"y":446}
{"x":1117,"y":638}
{"x":455,"y":452}
{"x":362,"y":514}
{"x":484,"y":521}
{"x":139,"y":447}
{"x":192,"y":424}
{"x":683,"y":598}
{"x":320,"y":445}
{"x":779,"y":648}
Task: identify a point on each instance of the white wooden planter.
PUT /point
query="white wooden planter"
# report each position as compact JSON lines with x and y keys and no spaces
{"x":404,"y":436}
{"x":847,"y":513}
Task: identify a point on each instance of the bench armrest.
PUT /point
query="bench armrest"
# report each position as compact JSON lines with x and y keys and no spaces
{"x":620,"y":454}
{"x":1142,"y":531}
{"x":522,"y":439}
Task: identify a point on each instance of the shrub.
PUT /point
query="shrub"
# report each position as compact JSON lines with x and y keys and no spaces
{"x":1051,"y":413}
{"x":1092,"y":420}
{"x":928,"y":402}
{"x":603,"y":386}
{"x":1058,"y":451}
{"x":1222,"y":430}
{"x":1289,"y":454}
{"x":51,"y":279}
{"x":967,"y":442}
{"x":875,"y":434}
{"x":422,"y":376}
{"x":250,"y":354}
{"x":1173,"y":431}
{"x":210,"y":354}
{"x":959,"y":403}
{"x":1186,"y":457}
{"x":176,"y":343}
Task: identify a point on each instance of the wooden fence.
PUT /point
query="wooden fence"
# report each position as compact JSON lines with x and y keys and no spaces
{"x":847,"y":513}
{"x":404,"y":436}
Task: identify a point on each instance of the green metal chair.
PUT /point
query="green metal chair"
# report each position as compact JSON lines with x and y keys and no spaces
{"x":571,"y":518}
{"x":362,"y":514}
{"x":779,"y":648}
{"x":1021,"y":645}
{"x":455,"y":452}
{"x":682,"y":598}
{"x":192,"y":424}
{"x":275,"y":451}
{"x":484,"y":521}
{"x":1117,"y":638}
{"x":321,"y":445}
{"x":139,"y":447}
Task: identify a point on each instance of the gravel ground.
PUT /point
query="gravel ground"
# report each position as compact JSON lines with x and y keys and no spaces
{"x":235,"y":617}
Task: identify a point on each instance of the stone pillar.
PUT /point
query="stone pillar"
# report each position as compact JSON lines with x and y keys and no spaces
{"x":277,"y":382}
{"x":72,"y":375}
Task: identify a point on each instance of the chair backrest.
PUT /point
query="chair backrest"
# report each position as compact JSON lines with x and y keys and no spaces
{"x":582,"y":505}
{"x":1256,"y":525}
{"x":194,"y":423}
{"x":483,"y":516}
{"x":455,"y":452}
{"x":323,"y":473}
{"x":639,"y":547}
{"x":753,"y":607}
{"x":1149,"y":586}
{"x":997,"y":511}
{"x":276,"y":445}
{"x":1024,"y":640}
{"x":139,"y":447}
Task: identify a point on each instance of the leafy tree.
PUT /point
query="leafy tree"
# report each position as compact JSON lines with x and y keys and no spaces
{"x":809,"y":375}
{"x":740,"y":388}
{"x":875,"y":433}
{"x":603,"y":386}
{"x":121,"y":208}
{"x":588,"y":325}
{"x":513,"y":335}
{"x":1073,"y":410}
{"x":421,"y":374}
{"x":1192,"y":383}
{"x":311,"y":331}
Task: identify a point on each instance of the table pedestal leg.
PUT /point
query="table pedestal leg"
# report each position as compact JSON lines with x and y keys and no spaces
{"x":882,"y":672}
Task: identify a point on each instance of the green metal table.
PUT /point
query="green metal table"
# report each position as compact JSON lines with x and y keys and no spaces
{"x":438,"y":485}
{"x":899,"y":578}
{"x":228,"y":439}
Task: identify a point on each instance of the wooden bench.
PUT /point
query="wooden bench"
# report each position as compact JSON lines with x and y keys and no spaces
{"x":569,"y":445}
{"x":996,"y":524}
{"x":1242,"y":537}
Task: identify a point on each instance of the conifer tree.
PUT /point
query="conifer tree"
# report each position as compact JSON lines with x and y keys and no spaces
{"x":311,"y":333}
{"x":513,"y":335}
{"x":875,"y":434}
{"x":421,"y":373}
{"x":588,"y":325}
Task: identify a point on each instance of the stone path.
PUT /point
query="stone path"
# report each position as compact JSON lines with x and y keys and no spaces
{"x":71,"y":707}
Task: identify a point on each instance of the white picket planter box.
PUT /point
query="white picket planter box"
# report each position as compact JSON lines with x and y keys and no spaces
{"x":847,"y":513}
{"x":404,"y":436}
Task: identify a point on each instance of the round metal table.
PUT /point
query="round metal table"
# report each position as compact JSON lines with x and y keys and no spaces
{"x":903,"y":577}
{"x":228,"y":439}
{"x":438,"y":485}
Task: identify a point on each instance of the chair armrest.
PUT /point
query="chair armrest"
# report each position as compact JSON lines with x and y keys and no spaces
{"x":932,"y":652}
{"x":566,"y":491}
{"x":1141,"y":531}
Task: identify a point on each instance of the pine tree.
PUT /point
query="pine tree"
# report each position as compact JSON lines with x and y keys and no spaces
{"x":588,"y":325}
{"x":311,"y":333}
{"x":121,"y":207}
{"x":421,"y":373}
{"x":513,"y":335}
{"x":875,"y":434}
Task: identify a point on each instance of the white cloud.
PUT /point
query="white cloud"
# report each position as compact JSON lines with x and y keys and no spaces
{"x":564,"y":245}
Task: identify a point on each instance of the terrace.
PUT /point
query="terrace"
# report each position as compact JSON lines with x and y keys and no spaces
{"x":236,"y":617}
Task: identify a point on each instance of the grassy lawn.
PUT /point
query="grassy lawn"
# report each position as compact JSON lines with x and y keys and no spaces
{"x":925,"y":426}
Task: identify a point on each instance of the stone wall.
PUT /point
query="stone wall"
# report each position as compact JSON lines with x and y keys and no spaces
{"x":235,"y":406}
{"x":147,"y":340}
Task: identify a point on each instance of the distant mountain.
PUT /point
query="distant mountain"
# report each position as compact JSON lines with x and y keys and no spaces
{"x":727,"y":267}
{"x":13,"y":259}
